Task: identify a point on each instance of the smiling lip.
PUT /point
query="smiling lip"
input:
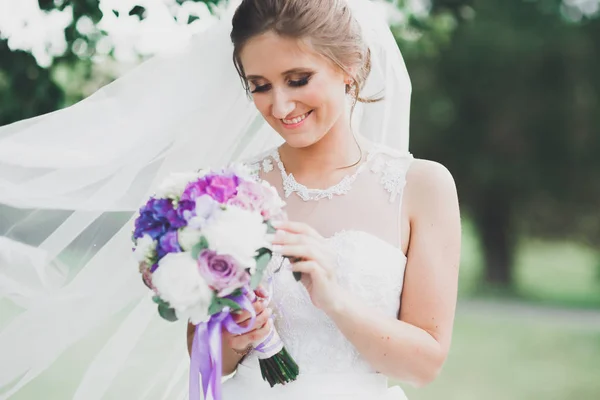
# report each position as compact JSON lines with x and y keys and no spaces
{"x":297,"y":121}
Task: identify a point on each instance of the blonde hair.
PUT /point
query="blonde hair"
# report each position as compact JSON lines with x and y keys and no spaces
{"x":328,"y":25}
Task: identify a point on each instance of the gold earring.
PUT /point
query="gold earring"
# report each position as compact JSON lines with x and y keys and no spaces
{"x":349,"y":85}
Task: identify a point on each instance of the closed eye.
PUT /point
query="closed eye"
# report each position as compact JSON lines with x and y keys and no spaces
{"x":300,"y":82}
{"x":261,"y":88}
{"x":291,"y":82}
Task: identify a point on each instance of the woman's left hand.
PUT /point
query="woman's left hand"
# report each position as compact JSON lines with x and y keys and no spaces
{"x":297,"y":240}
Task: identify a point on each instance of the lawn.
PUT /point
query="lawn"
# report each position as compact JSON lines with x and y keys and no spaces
{"x":562,"y":274}
{"x":520,"y":355}
{"x":504,"y":357}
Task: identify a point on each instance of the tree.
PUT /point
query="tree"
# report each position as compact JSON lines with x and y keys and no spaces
{"x":508,"y":101}
{"x":28,"y":89}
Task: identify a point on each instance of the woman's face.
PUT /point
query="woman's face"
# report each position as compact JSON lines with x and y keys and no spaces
{"x":300,"y":93}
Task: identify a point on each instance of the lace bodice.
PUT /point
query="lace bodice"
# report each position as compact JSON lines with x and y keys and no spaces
{"x":360,"y":217}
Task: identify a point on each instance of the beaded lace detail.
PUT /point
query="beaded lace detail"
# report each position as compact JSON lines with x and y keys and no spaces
{"x":392,"y":166}
{"x":290,"y":185}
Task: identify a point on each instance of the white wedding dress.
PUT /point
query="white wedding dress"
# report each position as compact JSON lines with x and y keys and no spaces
{"x":360,"y":217}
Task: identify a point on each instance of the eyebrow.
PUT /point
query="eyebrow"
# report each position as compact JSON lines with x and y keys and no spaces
{"x":288,"y":72}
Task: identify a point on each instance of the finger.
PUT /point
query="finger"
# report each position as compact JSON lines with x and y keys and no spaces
{"x":296,"y":227}
{"x":285,"y":237}
{"x":307,"y":267}
{"x":300,"y":251}
{"x":261,"y":333}
{"x":242,"y":317}
{"x":259,"y":306}
{"x":261,"y":292}
{"x":242,"y":341}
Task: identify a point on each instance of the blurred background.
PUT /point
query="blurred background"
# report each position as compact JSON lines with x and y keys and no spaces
{"x":506,"y":94}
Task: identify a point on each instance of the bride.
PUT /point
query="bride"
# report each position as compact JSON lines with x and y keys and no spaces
{"x":377,"y":231}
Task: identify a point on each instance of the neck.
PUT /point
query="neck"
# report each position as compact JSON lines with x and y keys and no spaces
{"x":336,"y":150}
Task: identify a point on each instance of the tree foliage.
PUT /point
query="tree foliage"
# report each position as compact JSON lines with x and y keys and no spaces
{"x":509,"y":102}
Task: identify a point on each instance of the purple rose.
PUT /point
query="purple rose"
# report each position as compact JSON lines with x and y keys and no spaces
{"x":219,"y":187}
{"x":222,"y":272}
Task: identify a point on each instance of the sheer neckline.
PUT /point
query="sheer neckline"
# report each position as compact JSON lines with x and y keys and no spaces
{"x":290,"y":185}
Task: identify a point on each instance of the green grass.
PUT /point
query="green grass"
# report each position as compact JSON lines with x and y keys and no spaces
{"x":499,"y":358}
{"x":554,"y":273}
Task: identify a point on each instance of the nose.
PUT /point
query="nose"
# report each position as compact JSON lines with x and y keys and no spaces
{"x":283,"y":105}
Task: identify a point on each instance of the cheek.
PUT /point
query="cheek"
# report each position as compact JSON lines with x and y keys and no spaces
{"x":331,"y":100}
{"x":262,"y":104}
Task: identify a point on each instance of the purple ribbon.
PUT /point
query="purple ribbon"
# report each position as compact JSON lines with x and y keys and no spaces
{"x":206,"y":357}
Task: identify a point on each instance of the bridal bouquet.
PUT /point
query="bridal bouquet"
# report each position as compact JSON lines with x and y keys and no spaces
{"x":202,"y":248}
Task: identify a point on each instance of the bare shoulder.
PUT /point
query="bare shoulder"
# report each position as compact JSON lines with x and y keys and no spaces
{"x":427,"y":178}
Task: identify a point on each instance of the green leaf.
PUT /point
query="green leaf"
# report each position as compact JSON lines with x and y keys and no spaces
{"x":215,"y":307}
{"x":198,"y":248}
{"x":139,"y":12}
{"x":262,"y":260}
{"x":230,"y":303}
{"x":218,"y":304}
{"x":297,"y":275}
{"x":270,"y":228}
{"x":236,"y":293}
{"x":167,"y":312}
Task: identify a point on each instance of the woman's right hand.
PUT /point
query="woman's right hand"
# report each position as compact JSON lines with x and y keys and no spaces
{"x":259,"y":329}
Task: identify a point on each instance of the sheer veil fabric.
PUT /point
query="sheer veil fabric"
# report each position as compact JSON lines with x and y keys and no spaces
{"x":76,"y":319}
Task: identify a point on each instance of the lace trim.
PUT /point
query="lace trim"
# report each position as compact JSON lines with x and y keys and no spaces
{"x":393,"y":174}
{"x":290,"y":185}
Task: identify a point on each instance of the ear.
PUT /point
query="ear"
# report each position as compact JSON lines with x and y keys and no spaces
{"x":349,"y":76}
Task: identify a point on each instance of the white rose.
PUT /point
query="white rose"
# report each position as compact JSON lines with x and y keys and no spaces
{"x":188,"y":238}
{"x":179,"y":283}
{"x":174,"y":185}
{"x":196,"y":314}
{"x":242,"y":170}
{"x":276,"y":202}
{"x":144,"y":249}
{"x":237,"y":233}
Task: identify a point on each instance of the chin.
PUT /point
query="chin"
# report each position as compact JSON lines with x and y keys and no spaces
{"x":301,"y":140}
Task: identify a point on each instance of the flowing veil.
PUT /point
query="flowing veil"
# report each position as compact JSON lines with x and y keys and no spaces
{"x":76,"y":320}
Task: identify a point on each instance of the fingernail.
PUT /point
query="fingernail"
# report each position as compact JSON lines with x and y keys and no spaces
{"x":276,"y":224}
{"x":276,"y":248}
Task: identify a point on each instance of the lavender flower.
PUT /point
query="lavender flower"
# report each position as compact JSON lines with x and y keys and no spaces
{"x":221,"y":272}
{"x":156,"y":218}
{"x":219,"y":187}
{"x":168,"y":243}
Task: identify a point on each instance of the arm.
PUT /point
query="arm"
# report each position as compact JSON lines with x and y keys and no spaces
{"x":414,"y":348}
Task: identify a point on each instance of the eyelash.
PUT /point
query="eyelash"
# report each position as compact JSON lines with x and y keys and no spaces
{"x":295,"y":84}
